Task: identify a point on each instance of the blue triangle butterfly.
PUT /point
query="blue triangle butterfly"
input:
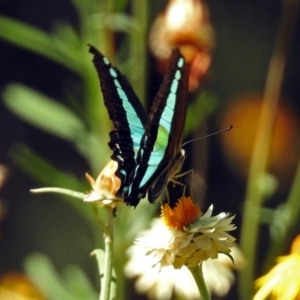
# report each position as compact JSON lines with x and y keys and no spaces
{"x":147,"y":148}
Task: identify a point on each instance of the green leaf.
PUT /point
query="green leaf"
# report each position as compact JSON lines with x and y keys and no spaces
{"x":115,"y":21}
{"x":43,"y":112}
{"x":38,"y":41}
{"x":77,"y":282}
{"x":120,"y":5}
{"x":267,"y":184}
{"x":128,"y":230}
{"x":199,"y":110}
{"x":48,"y":175}
{"x":229,"y":256}
{"x":72,"y":286}
{"x":100,"y":256}
{"x":41,"y":170}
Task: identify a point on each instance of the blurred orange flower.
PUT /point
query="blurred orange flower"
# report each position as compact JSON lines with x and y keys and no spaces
{"x":244,"y":112}
{"x":15,"y":285}
{"x":184,"y":24}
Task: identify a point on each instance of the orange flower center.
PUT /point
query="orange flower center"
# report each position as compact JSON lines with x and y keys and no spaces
{"x":185,"y":213}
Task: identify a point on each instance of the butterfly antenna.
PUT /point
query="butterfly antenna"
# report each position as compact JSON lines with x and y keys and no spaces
{"x":206,"y":136}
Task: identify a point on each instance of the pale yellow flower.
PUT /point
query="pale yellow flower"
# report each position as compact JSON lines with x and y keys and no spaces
{"x":183,"y":236}
{"x":283,"y":281}
{"x":195,"y":237}
{"x":159,"y":260}
{"x":105,"y":187}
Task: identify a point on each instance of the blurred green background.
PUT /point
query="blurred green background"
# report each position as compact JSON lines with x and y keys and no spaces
{"x":56,"y":142}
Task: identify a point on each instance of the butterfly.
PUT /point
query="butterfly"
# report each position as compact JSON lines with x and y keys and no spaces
{"x":146,"y":148}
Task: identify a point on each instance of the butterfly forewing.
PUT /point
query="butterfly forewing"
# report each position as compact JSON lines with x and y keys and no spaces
{"x":127,"y":114}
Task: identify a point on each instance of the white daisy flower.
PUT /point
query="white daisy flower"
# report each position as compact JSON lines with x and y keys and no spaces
{"x":184,"y":236}
{"x":182,"y":239}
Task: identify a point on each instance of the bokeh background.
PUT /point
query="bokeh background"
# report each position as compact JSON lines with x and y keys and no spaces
{"x":49,"y":232}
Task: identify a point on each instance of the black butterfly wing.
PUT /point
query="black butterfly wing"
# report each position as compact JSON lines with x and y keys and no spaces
{"x":127,"y":114}
{"x":160,"y":156}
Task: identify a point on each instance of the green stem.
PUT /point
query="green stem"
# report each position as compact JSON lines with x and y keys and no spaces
{"x":138,"y":46}
{"x":254,"y":194}
{"x":108,"y":242}
{"x":57,"y":190}
{"x":198,"y":276}
{"x":95,"y":109}
{"x":107,"y":35}
{"x":290,"y":212}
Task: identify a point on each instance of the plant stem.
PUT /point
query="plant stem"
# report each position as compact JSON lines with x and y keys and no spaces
{"x":57,"y":190}
{"x":255,"y":195}
{"x":198,"y":276}
{"x":137,"y":47}
{"x":108,"y":242}
{"x":290,"y":212}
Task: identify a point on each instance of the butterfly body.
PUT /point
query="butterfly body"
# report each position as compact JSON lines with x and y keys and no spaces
{"x":147,"y":148}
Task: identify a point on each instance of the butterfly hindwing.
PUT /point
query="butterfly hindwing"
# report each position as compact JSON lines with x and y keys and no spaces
{"x":127,"y":114}
{"x":160,"y":156}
